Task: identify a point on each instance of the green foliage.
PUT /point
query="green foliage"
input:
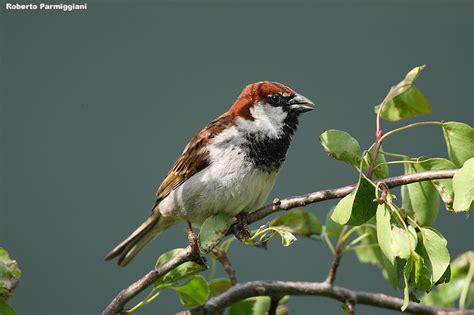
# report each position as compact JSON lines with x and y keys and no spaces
{"x":443,"y":186}
{"x":381,"y":169}
{"x":193,"y":292}
{"x":213,"y":230}
{"x":331,"y":228}
{"x":182,"y":271}
{"x":384,"y":231}
{"x":367,"y":252}
{"x":251,"y":306}
{"x":6,"y":309}
{"x":460,"y":141}
{"x":341,"y":146}
{"x":10,"y":274}
{"x":218,"y":286}
{"x":265,"y":233}
{"x":420,"y":198}
{"x":405,"y":99}
{"x":435,"y":252}
{"x":299,"y":222}
{"x":357,"y":207}
{"x":459,"y":288}
{"x":463,"y":186}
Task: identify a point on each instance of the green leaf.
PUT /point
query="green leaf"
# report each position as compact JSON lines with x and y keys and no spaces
{"x":446,"y":277}
{"x":460,"y":141}
{"x":357,"y":207}
{"x":406,"y":277}
{"x":448,"y":293}
{"x":341,"y":146}
{"x":251,"y":306}
{"x":403,"y":242}
{"x":463,"y":186}
{"x":421,"y":198}
{"x":443,"y":186}
{"x":213,"y":230}
{"x":437,"y":254}
{"x":286,"y":237}
{"x":218,"y":286}
{"x":299,"y":222}
{"x":193,"y":292}
{"x":332,"y":228}
{"x":420,"y":276}
{"x":367,"y":251}
{"x":10,"y":274}
{"x":384,"y":231}
{"x":182,"y":271}
{"x":266,"y":233}
{"x":381,"y":170}
{"x":6,"y":309}
{"x":407,"y":101}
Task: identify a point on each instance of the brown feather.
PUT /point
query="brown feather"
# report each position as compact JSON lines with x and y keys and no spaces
{"x":193,"y":158}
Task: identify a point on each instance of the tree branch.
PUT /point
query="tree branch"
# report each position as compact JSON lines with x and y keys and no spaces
{"x":281,"y":288}
{"x":221,"y":256}
{"x":303,"y":200}
{"x":337,"y":257}
{"x":118,"y":303}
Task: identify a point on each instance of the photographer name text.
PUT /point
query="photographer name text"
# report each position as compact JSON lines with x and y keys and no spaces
{"x":45,"y":7}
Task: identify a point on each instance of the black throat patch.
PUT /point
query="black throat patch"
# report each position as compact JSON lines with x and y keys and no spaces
{"x":268,"y":154}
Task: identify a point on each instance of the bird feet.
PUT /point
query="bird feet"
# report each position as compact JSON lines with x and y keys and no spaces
{"x":193,"y":243}
{"x":241,"y":229}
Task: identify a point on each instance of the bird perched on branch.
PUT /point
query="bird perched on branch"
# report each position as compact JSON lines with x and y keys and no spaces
{"x":230,"y":166}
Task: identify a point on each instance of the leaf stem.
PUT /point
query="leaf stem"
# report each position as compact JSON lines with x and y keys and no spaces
{"x":396,"y":162}
{"x":421,"y":123}
{"x":467,"y":284}
{"x":395,"y":209}
{"x":150,"y":297}
{"x":354,"y":242}
{"x":403,"y":156}
{"x":328,"y":242}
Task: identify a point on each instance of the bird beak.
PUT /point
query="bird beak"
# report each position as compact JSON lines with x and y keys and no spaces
{"x":300,"y":104}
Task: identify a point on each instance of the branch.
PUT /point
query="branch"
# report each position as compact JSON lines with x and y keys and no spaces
{"x":300,"y":201}
{"x":281,"y":288}
{"x":221,"y":256}
{"x":119,"y":302}
{"x":337,"y":257}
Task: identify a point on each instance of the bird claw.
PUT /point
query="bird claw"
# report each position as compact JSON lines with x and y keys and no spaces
{"x":195,"y":251}
{"x":241,"y":230}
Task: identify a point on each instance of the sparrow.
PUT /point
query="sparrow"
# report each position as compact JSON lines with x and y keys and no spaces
{"x":230,"y":166}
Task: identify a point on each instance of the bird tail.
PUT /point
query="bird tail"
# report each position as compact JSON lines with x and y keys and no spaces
{"x":132,"y":245}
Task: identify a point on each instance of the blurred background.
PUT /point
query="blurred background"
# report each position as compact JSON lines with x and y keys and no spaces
{"x":97,"y":105}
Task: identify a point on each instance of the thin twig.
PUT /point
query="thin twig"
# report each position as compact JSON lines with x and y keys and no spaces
{"x":281,"y":288}
{"x":221,"y":256}
{"x":275,"y":300}
{"x":119,"y":302}
{"x":337,"y":257}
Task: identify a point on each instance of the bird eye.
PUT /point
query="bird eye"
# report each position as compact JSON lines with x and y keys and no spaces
{"x":275,"y":98}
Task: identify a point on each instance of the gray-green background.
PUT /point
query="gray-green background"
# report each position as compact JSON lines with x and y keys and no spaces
{"x":96,"y":106}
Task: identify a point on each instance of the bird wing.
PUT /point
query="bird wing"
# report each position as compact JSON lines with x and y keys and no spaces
{"x":194,"y":157}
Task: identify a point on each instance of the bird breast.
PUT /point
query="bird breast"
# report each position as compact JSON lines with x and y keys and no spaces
{"x":231,"y":183}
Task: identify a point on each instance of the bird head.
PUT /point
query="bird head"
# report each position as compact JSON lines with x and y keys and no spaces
{"x":267,"y":107}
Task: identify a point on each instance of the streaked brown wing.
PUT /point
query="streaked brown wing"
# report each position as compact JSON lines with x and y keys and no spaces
{"x":194,"y":157}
